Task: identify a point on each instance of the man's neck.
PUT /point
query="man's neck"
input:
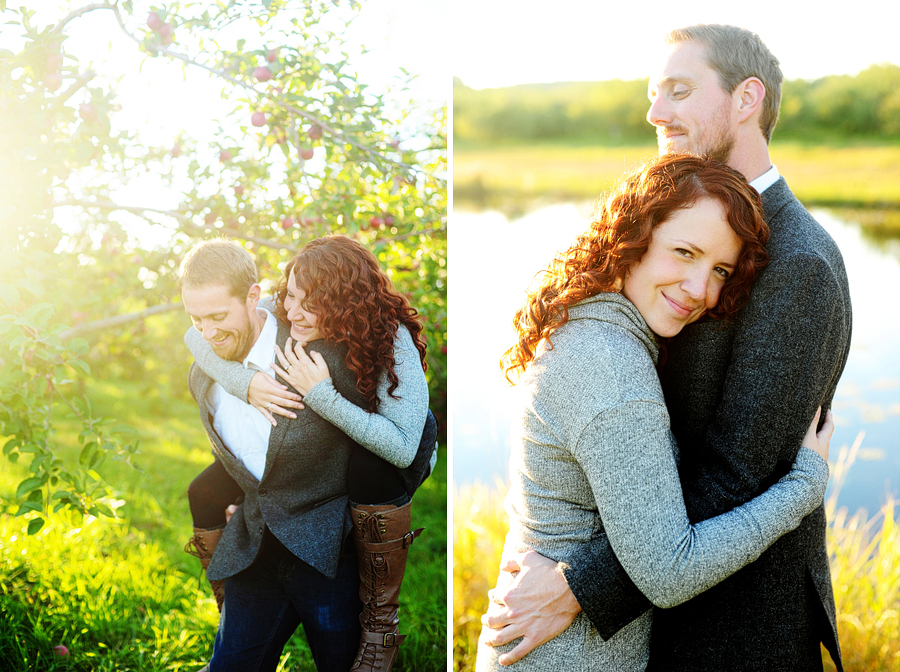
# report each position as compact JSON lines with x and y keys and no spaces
{"x":750,"y":156}
{"x":257,"y":322}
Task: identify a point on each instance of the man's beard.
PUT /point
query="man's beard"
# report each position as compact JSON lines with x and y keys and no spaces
{"x":239,"y":347}
{"x":719,"y":151}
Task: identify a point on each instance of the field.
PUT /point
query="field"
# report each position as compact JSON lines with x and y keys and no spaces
{"x":864,"y":569}
{"x":121,"y":594}
{"x":503,"y":176}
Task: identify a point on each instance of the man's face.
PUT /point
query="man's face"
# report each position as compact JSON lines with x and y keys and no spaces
{"x":226,"y":321}
{"x":692,"y":113}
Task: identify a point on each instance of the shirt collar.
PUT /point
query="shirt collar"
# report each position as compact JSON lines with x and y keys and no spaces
{"x":766,"y":180}
{"x":263,"y":351}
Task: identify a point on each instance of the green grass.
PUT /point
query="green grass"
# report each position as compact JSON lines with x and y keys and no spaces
{"x":863,"y":553}
{"x":857,"y":175}
{"x":123,"y":595}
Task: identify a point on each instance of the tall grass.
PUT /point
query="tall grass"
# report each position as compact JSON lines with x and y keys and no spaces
{"x":865,"y":570}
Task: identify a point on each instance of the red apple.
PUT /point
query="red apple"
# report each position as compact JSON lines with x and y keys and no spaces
{"x":375,"y":222}
{"x":59,"y":649}
{"x":307,"y":153}
{"x":287,"y":223}
{"x":314,"y":132}
{"x":54,"y":62}
{"x":224,"y":156}
{"x":165,"y":30}
{"x":262,"y":74}
{"x":53,"y":81}
{"x":154,"y":21}
{"x":210,"y":218}
{"x":272,"y":56}
{"x":238,"y":190}
{"x":175,"y":151}
{"x":87,"y":112}
{"x":258,"y":119}
{"x":389,"y":220}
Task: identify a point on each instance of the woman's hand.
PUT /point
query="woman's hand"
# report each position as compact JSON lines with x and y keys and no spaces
{"x":300,"y":370}
{"x":270,"y":397}
{"x":818,"y":441}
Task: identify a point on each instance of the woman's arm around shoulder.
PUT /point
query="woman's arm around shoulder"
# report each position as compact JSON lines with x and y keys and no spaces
{"x":394,"y":432}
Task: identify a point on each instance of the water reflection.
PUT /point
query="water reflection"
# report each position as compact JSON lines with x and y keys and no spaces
{"x":498,"y":259}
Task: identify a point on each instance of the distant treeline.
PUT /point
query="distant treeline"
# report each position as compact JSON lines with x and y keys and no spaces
{"x":835,"y":107}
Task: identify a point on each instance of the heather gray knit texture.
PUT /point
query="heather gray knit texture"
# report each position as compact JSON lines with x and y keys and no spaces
{"x":594,"y":454}
{"x":393,"y":433}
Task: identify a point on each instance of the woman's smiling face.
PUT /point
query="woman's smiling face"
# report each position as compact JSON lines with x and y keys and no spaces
{"x":680,"y":277}
{"x":303,"y":323}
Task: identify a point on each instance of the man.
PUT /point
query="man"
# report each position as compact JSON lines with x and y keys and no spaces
{"x":282,"y":554}
{"x":740,"y":398}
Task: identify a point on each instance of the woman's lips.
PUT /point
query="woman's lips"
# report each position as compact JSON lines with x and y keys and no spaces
{"x":679,"y":308}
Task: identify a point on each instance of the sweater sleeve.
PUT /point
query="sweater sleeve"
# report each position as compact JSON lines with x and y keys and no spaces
{"x":232,"y":376}
{"x":627,"y":455}
{"x":394,"y":432}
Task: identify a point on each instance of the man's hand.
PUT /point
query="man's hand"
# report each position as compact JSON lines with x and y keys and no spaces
{"x":270,"y":397}
{"x":535,"y":605}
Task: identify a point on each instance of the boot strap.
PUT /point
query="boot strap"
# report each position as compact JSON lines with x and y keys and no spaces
{"x":383,"y":639}
{"x":393,"y":545}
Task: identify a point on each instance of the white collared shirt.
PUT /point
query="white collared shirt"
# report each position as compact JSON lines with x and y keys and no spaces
{"x":766,"y":180}
{"x":242,"y":428}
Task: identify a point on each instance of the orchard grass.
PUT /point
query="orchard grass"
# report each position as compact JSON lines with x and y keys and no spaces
{"x":847,"y":175}
{"x":121,"y":594}
{"x":864,"y":570}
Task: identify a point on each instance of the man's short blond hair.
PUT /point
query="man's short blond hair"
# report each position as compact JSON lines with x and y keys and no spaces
{"x":219,"y":262}
{"x":737,"y":54}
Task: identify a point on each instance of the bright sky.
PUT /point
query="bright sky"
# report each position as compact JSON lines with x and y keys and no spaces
{"x":505,"y":42}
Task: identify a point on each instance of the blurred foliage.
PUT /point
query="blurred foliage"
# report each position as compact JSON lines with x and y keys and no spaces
{"x":614,"y":112}
{"x":307,"y":150}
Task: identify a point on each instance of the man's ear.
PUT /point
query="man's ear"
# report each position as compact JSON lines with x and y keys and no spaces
{"x":253,"y":295}
{"x":749,"y":95}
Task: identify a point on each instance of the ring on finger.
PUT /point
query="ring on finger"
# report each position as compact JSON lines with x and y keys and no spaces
{"x":268,"y":406}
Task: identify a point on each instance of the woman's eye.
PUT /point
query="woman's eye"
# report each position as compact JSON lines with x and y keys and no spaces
{"x":683,"y":252}
{"x":680,"y":93}
{"x":723,"y":272}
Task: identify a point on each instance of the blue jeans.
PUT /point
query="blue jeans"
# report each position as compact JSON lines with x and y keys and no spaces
{"x":266,"y":602}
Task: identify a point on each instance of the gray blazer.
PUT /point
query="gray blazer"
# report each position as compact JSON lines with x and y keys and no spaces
{"x":740,"y":398}
{"x":302,"y":496}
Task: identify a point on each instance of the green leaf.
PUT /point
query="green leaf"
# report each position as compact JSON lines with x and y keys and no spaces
{"x":25,"y":507}
{"x":77,"y":363}
{"x":9,"y":294}
{"x":27,"y":486}
{"x":34,"y":525}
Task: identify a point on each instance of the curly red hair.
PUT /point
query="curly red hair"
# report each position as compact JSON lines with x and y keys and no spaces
{"x":619,"y":235}
{"x":355,"y":303}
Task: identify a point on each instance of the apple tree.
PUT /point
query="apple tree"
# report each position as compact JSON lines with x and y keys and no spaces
{"x":304,"y":149}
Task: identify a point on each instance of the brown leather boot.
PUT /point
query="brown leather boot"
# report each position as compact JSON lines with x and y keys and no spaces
{"x":382,"y":537}
{"x":202,"y":545}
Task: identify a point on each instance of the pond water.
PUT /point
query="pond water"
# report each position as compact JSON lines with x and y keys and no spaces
{"x":494,"y":259}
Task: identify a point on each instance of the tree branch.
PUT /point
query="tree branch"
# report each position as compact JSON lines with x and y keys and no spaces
{"x":78,"y":12}
{"x":118,"y":320}
{"x":290,"y":108}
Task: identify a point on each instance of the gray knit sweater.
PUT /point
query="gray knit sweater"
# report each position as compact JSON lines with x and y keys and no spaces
{"x":594,"y":454}
{"x":393,"y":433}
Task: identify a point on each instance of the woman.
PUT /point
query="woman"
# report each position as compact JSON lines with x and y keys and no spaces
{"x":386,"y":354}
{"x":681,"y":238}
